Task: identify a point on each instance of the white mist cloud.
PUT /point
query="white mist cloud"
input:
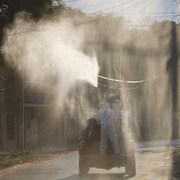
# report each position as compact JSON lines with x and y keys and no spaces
{"x":50,"y":52}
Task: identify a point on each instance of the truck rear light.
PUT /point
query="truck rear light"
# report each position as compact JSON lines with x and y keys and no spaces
{"x":81,"y":148}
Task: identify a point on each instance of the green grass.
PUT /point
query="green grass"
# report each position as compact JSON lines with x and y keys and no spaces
{"x":17,"y":158}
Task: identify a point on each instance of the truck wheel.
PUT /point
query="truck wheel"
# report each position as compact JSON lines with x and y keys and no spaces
{"x":83,"y":168}
{"x":130,"y":166}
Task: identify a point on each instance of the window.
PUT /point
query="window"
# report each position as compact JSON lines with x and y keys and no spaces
{"x":28,"y":122}
{"x":11,"y":127}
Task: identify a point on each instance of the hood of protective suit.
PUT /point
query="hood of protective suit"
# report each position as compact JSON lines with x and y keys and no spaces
{"x":103,"y":105}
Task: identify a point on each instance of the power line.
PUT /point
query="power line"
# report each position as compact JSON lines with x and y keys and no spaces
{"x":113,"y":7}
{"x":159,"y":15}
{"x":165,"y":14}
{"x":96,"y":19}
{"x":137,"y":3}
{"x":162,"y":14}
{"x":81,"y":7}
{"x":134,"y":5}
{"x":122,"y":4}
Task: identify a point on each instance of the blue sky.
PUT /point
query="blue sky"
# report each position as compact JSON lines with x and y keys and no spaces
{"x":137,"y":10}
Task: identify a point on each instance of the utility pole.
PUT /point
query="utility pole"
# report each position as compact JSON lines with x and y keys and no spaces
{"x":21,"y":123}
{"x":172,"y":68}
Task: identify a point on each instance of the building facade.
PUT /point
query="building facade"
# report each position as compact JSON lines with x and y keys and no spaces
{"x":27,"y":121}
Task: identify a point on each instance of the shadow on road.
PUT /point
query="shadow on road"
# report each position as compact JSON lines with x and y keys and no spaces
{"x":121,"y":176}
{"x":175,"y":170}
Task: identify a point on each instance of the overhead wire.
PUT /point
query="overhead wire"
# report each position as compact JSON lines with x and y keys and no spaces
{"x":122,"y":4}
{"x":163,"y":14}
{"x":113,"y":7}
{"x":96,"y":12}
{"x":96,"y":19}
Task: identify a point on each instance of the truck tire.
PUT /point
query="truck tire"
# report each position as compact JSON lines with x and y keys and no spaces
{"x":130,"y":165}
{"x":83,"y":168}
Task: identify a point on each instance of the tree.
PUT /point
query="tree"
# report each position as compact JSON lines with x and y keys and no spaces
{"x":37,"y":8}
{"x":8,"y":11}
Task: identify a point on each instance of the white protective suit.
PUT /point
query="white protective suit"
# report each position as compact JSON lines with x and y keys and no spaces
{"x":108,"y":132}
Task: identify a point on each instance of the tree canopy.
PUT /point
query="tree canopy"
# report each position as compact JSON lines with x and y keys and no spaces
{"x":8,"y":11}
{"x":9,"y":8}
{"x":36,"y":7}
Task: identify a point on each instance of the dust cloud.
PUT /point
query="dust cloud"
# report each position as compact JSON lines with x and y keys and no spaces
{"x":58,"y":56}
{"x":49,"y":55}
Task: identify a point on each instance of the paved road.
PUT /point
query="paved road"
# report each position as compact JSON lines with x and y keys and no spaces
{"x":150,"y":166}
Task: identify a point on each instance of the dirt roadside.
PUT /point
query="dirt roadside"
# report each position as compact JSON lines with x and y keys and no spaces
{"x":10,"y":162}
{"x":19,"y":160}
